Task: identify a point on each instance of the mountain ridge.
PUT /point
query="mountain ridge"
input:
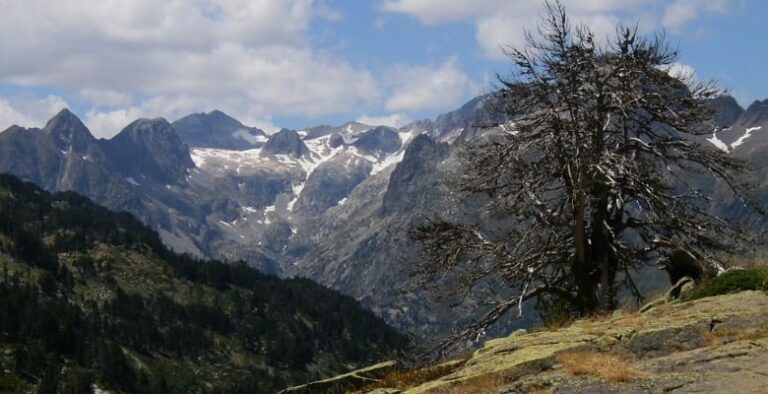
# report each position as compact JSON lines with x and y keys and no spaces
{"x":330,"y":203}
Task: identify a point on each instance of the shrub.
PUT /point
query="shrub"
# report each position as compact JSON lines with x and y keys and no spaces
{"x":754,"y":278}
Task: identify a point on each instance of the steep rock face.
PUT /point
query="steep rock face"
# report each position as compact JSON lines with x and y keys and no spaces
{"x":727,"y":110}
{"x":331,"y":183}
{"x":756,"y":114}
{"x":150,"y":148}
{"x":67,"y":133}
{"x":379,"y":140}
{"x":413,"y":182}
{"x":348,"y":128}
{"x":286,"y":142}
{"x":218,"y":130}
{"x":746,"y":133}
{"x":62,"y":156}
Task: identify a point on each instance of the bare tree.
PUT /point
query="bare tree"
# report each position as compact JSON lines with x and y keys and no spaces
{"x":598,"y":174}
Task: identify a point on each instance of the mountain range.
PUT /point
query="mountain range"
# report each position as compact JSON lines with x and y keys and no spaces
{"x":330,"y":203}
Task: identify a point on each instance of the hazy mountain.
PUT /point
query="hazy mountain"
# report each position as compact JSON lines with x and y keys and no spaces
{"x":218,"y":130}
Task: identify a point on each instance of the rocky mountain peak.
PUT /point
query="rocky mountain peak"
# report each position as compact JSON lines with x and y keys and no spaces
{"x":286,"y":142}
{"x":756,"y":114}
{"x":727,"y":110}
{"x":348,"y":128}
{"x":218,"y":130}
{"x":380,"y":139}
{"x":150,"y":147}
{"x":68,"y":132}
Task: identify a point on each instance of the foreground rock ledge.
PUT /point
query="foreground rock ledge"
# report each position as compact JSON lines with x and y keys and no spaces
{"x":715,"y":344}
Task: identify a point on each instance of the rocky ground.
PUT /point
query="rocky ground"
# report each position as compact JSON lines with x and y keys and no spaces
{"x":713,"y":345}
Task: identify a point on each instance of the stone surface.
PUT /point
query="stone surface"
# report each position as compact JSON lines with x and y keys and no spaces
{"x":713,"y":345}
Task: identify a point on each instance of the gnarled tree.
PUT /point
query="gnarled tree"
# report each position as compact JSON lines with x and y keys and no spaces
{"x":599,"y":173}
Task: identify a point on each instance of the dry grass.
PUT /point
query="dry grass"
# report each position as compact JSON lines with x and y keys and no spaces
{"x":711,"y":340}
{"x":482,"y":384}
{"x":405,"y":379}
{"x":609,"y":367}
{"x":742,"y":333}
{"x":595,"y":324}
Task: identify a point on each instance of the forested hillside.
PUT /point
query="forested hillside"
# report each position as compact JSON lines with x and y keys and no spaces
{"x":91,"y":298}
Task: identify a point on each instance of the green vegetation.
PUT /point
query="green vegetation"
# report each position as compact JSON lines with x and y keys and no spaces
{"x":752,"y":278}
{"x":92,"y":297}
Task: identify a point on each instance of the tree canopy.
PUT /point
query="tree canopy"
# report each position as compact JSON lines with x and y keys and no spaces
{"x":601,"y":171}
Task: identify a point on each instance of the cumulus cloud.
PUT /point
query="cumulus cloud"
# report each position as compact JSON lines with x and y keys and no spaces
{"x":416,"y":88}
{"x":681,"y":71}
{"x":393,"y":120}
{"x":29,"y":112}
{"x":251,"y":58}
{"x":500,"y":23}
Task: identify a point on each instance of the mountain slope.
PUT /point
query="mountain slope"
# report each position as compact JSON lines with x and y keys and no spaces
{"x":91,"y":297}
{"x":218,"y":130}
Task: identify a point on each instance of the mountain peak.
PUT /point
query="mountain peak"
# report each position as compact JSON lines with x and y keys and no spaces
{"x":727,"y":110}
{"x":217,"y":130}
{"x":286,"y":142}
{"x":68,"y":132}
{"x":756,"y":114}
{"x":150,"y":147}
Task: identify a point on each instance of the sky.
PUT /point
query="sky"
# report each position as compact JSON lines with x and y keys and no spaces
{"x":300,"y":63}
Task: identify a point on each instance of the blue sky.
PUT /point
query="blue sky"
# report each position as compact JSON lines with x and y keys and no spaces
{"x":297,"y":63}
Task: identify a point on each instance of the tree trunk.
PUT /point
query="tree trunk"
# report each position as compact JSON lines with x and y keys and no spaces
{"x":583,"y":269}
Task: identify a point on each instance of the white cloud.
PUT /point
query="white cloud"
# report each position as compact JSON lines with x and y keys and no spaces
{"x":681,"y":12}
{"x":10,"y":116}
{"x":29,"y":112}
{"x":393,"y":120}
{"x":500,"y":23}
{"x":107,"y":124}
{"x":250,"y":57}
{"x":681,"y":71}
{"x":416,"y":88}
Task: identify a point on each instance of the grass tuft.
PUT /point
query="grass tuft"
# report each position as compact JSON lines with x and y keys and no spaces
{"x":609,"y":367}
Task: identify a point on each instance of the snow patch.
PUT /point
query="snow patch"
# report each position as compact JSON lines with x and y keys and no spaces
{"x":389,"y":161}
{"x":296,"y":192}
{"x":342,"y":201}
{"x":406,"y":137}
{"x":718,"y":143}
{"x":744,"y":137}
{"x":132,"y":181}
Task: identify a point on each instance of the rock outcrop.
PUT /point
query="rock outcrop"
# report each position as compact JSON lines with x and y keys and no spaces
{"x":715,"y":344}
